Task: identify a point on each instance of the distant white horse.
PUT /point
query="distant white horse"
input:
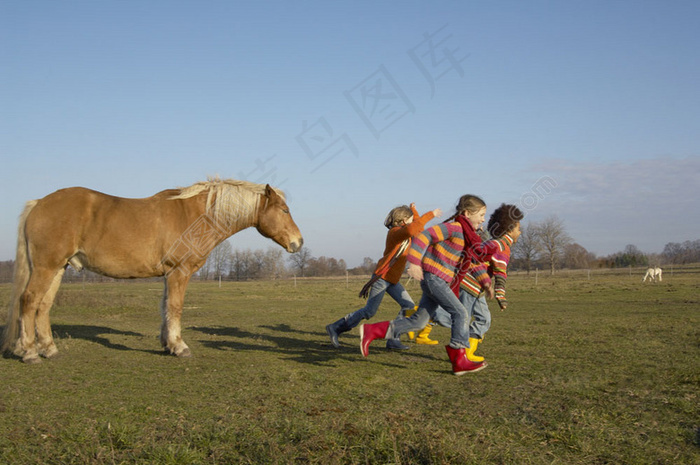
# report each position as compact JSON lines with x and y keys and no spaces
{"x":653,"y":274}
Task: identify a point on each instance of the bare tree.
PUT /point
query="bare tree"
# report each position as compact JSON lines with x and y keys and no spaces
{"x":319,"y":266}
{"x":257,"y":264}
{"x":527,"y":249}
{"x":220,"y":259}
{"x":577,"y":257}
{"x":341,"y":267}
{"x":367,"y":267}
{"x":300,"y":260}
{"x":240,"y":264}
{"x":273,"y":264}
{"x":6,"y":270}
{"x":687,"y":252}
{"x":553,"y":240}
{"x":205,"y":271}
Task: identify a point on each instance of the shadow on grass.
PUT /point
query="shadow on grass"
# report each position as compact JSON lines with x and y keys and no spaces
{"x":297,"y":349}
{"x":95,"y":334}
{"x":92,"y":334}
{"x":284,"y":342}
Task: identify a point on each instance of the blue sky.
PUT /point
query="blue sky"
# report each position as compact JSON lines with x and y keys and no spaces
{"x":588,"y":110}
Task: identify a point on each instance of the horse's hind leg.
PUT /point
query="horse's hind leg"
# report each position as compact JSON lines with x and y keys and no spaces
{"x":39,"y":284}
{"x":171,"y":312}
{"x":47,"y":347}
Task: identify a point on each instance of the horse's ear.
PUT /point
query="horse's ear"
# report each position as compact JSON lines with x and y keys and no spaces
{"x":269,"y":191}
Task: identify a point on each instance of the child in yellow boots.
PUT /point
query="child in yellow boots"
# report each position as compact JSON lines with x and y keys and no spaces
{"x":478,"y":283}
{"x":424,"y":333}
{"x":504,"y":227}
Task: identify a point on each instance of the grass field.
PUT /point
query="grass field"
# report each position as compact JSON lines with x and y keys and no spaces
{"x":598,"y":369}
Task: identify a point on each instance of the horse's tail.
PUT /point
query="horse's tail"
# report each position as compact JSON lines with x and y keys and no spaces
{"x":22,"y":272}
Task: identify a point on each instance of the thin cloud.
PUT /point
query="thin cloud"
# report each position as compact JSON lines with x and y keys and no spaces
{"x":660,"y":181}
{"x":607,"y":205}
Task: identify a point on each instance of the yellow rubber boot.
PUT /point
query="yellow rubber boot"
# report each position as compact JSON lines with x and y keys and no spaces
{"x":423,"y":336}
{"x":473,"y":343}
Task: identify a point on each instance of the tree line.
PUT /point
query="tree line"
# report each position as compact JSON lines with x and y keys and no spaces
{"x":542,"y":245}
{"x":547,"y":245}
{"x":241,"y":265}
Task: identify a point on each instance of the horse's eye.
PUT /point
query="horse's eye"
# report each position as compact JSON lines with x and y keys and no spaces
{"x":285,"y":210}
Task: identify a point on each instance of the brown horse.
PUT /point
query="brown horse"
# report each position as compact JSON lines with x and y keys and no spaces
{"x":169,"y":234}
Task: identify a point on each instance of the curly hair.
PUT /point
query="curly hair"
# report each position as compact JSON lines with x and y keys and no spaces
{"x":504,"y":219}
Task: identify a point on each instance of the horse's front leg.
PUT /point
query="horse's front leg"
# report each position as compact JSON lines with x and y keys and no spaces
{"x":171,"y":312}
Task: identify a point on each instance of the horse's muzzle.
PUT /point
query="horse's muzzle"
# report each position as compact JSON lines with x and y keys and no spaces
{"x":294,"y":246}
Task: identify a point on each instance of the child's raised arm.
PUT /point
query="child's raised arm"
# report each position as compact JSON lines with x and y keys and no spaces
{"x":419,"y":221}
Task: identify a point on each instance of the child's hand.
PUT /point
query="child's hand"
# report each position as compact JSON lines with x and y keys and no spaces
{"x":437,"y":212}
{"x":490,"y":293}
{"x":415,"y":272}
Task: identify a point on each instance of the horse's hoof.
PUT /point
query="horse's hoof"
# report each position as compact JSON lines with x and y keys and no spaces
{"x":50,"y":353}
{"x":184,"y":353}
{"x":32,"y":360}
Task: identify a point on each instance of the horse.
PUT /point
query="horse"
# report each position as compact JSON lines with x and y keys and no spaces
{"x":169,"y":235}
{"x":653,"y":274}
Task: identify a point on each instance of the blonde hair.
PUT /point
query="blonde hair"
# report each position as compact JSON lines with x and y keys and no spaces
{"x":468,"y":203}
{"x":397,"y":215}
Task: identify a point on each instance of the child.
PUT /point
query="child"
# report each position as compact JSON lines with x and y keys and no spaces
{"x":504,"y":227}
{"x":449,"y":250}
{"x":403,"y":223}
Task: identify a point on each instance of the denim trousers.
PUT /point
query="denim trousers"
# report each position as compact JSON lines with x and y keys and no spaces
{"x":478,"y":314}
{"x":376,"y":294}
{"x":436,"y":293}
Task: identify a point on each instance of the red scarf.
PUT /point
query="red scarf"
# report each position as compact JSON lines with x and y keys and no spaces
{"x":471,"y":238}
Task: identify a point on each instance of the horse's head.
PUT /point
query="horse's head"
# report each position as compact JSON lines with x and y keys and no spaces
{"x":275,"y":221}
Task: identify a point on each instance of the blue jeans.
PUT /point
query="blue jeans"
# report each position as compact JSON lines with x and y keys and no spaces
{"x":436,"y":293}
{"x":442,"y":318}
{"x":476,"y":308}
{"x":481,"y":313}
{"x":376,"y":294}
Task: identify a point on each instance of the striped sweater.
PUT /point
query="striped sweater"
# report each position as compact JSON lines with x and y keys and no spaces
{"x":438,"y":249}
{"x":479,"y":276}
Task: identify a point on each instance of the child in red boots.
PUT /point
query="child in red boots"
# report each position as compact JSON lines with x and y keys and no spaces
{"x":439,"y":258}
{"x":504,"y":228}
{"x":403,"y":223}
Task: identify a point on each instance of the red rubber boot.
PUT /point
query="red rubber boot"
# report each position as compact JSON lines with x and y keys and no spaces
{"x":369,"y":333}
{"x":461,"y":364}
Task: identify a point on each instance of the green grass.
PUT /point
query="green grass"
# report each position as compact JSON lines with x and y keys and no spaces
{"x":581,"y":371}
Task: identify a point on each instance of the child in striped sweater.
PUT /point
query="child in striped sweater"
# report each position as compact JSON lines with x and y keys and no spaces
{"x":439,"y":258}
{"x":504,"y":227}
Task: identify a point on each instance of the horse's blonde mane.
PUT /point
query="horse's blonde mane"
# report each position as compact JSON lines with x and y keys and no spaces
{"x":229,"y":201}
